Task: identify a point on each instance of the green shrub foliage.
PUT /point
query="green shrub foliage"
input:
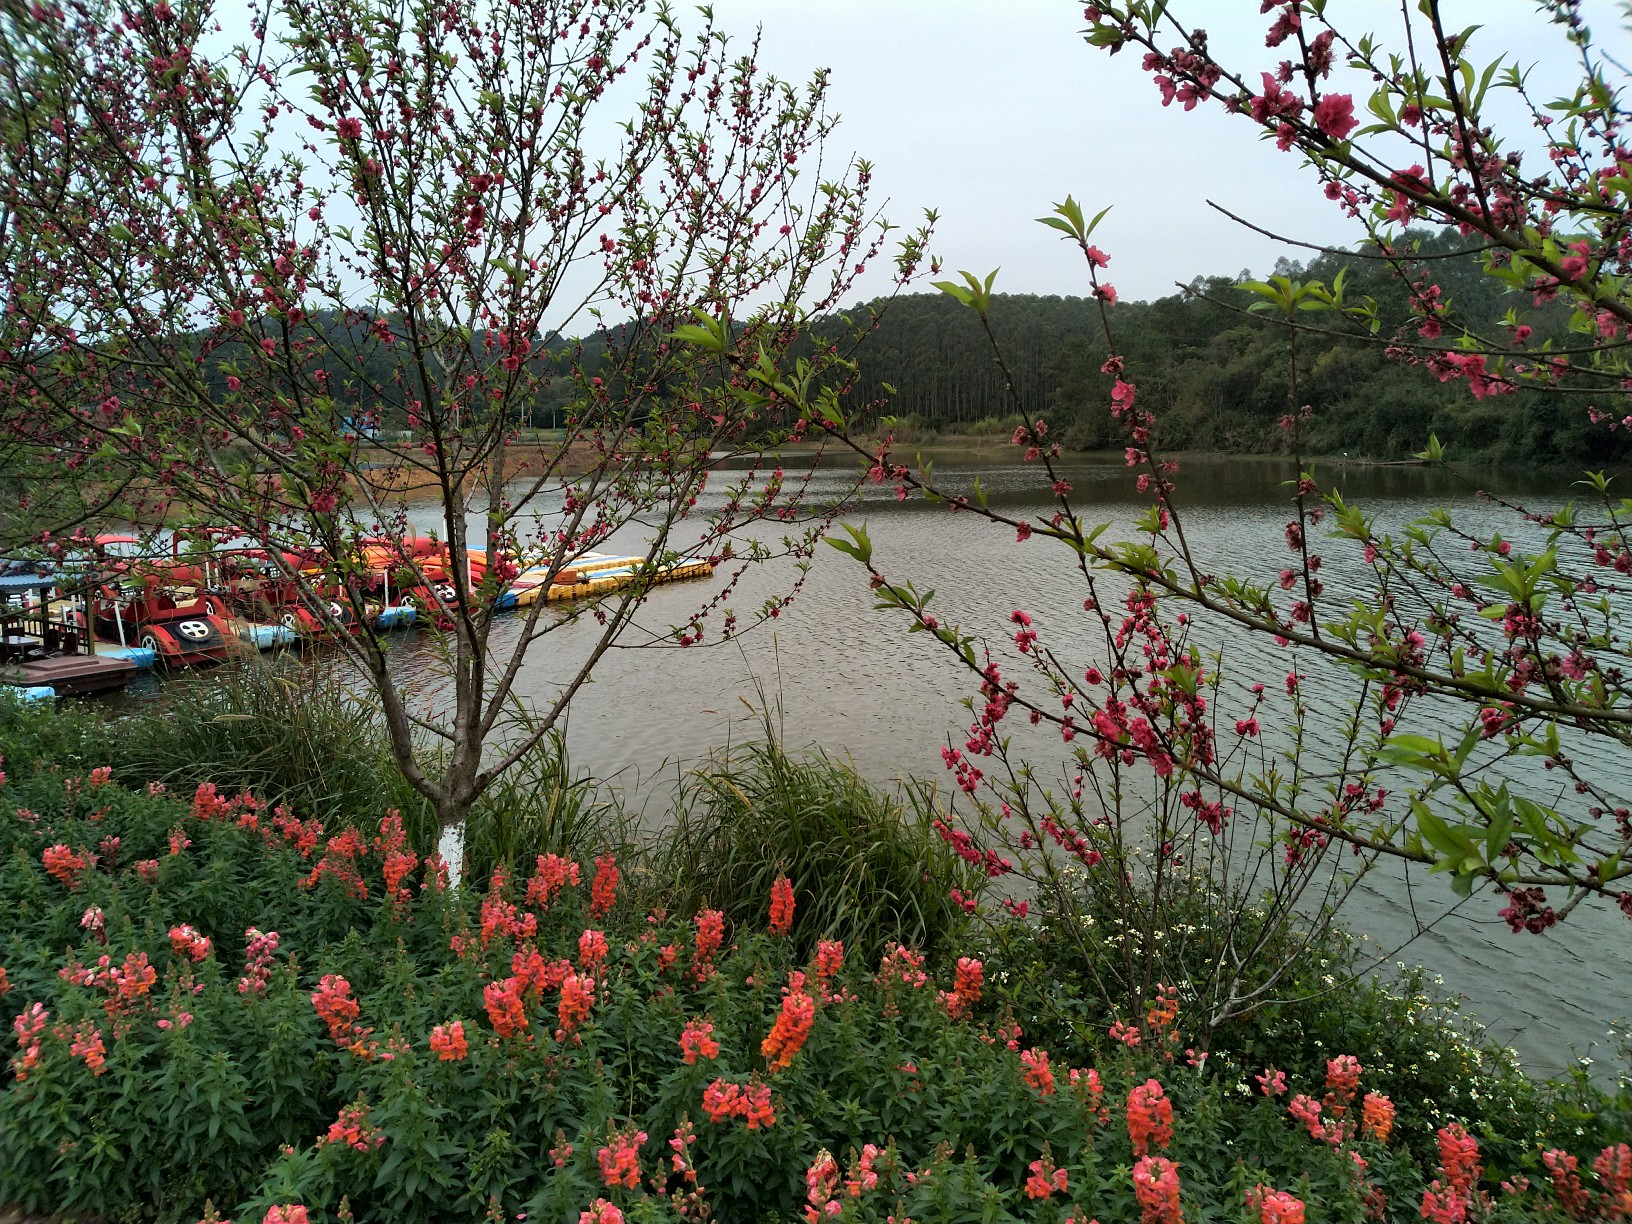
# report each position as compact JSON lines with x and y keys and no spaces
{"x":222,"y":1006}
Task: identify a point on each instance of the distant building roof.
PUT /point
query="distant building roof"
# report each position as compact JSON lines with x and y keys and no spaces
{"x":14,"y":583}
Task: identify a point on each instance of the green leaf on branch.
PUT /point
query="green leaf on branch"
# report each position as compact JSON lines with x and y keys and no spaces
{"x":1069,"y":221}
{"x":974,"y":293}
{"x":857,"y":546}
{"x":707,"y":333}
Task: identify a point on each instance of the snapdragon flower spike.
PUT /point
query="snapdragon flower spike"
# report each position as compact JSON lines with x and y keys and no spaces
{"x":1046,"y":1179}
{"x":1150,"y":1117}
{"x":551,"y":874}
{"x":710,"y":926}
{"x":697,"y":1041}
{"x":1156,"y":1186}
{"x":505,"y":1009}
{"x":576,"y":1002}
{"x":724,"y":1100}
{"x":966,"y":988}
{"x":821,"y":1188}
{"x":1038,"y":1075}
{"x":781,"y":917}
{"x":87,"y":1044}
{"x":65,"y":865}
{"x":792,"y":1028}
{"x":1376,"y":1117}
{"x":620,"y":1158}
{"x":603,"y":892}
{"x":864,"y":1174}
{"x":185,"y":941}
{"x":353,"y":1129}
{"x":448,"y":1041}
{"x":28,"y":1025}
{"x":1273,"y":1206}
{"x":592,"y":950}
{"x":334,"y":1005}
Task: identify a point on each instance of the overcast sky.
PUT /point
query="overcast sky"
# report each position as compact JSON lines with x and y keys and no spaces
{"x":990,"y":110}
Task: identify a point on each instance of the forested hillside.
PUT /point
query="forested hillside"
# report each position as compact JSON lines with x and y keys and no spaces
{"x":1218,"y":376}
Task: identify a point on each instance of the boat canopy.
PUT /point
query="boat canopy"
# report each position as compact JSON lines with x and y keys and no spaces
{"x":16,"y":584}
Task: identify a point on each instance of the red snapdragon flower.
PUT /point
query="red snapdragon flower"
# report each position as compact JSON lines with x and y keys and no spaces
{"x":64,"y":865}
{"x":352,"y":1128}
{"x":696,"y":1041}
{"x":592,"y":950}
{"x":1156,"y":1186}
{"x":88,"y":1045}
{"x":1274,"y":1206}
{"x":1045,"y":1179}
{"x":966,"y":988}
{"x":603,"y":893}
{"x":821,"y":1187}
{"x":551,"y":873}
{"x":259,"y":950}
{"x":723,"y":1100}
{"x":448,"y":1040}
{"x":620,"y":1158}
{"x":1037,"y":1074}
{"x":710,"y":935}
{"x":504,"y":1006}
{"x":185,"y":941}
{"x":333,"y":1003}
{"x":781,"y":906}
{"x":28,"y":1025}
{"x":1150,"y":1117}
{"x":577,"y":997}
{"x":1376,"y":1117}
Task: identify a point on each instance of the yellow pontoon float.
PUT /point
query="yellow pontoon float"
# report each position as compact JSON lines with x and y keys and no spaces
{"x":589,"y":575}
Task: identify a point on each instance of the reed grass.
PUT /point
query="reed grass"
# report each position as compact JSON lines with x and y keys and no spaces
{"x":289,"y":733}
{"x":867,"y":867}
{"x":542,"y":805}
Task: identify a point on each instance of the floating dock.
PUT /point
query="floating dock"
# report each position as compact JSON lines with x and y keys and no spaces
{"x":141,"y":656}
{"x":590,"y":575}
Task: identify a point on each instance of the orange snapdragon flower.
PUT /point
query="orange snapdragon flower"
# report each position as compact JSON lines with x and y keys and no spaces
{"x":1150,"y":1117}
{"x":791,"y":1029}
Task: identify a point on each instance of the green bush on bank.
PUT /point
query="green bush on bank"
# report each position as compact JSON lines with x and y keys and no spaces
{"x":1416,"y":1046}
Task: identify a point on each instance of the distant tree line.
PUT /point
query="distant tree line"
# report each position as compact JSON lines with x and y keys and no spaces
{"x":1217,"y":376}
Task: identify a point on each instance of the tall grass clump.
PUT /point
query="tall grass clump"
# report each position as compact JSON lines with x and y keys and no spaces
{"x":866,"y":867}
{"x":290,"y":733}
{"x":541,"y":805}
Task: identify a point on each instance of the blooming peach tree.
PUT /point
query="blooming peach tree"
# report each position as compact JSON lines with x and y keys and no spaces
{"x":313,"y":283}
{"x":1454,"y":694}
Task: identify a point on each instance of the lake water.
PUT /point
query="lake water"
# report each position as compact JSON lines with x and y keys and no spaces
{"x":841,"y":676}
